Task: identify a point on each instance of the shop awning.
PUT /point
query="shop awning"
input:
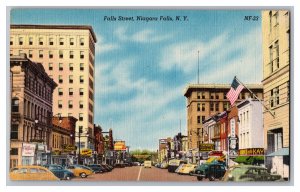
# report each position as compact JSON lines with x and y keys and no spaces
{"x":280,"y":152}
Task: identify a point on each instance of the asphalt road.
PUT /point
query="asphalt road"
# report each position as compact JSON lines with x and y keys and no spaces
{"x":138,"y":173}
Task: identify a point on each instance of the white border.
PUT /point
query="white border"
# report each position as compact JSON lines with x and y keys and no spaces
{"x":225,"y":4}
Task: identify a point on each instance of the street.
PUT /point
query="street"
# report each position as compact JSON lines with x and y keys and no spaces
{"x":138,"y":173}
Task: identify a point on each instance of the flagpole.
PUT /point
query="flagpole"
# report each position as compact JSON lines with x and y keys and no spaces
{"x":255,"y":97}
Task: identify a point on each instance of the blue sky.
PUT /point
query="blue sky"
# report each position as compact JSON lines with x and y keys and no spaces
{"x":142,"y":68}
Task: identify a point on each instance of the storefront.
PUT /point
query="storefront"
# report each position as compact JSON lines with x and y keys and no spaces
{"x":28,"y":153}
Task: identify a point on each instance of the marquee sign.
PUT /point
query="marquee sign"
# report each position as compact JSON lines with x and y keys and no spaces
{"x":252,"y":152}
{"x":206,"y":147}
{"x":120,"y":146}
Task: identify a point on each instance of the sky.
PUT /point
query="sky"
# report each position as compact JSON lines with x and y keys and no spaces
{"x":143,"y":67}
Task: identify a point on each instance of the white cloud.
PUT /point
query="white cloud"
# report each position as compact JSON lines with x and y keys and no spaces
{"x":185,"y":55}
{"x":102,"y":46}
{"x":143,"y":36}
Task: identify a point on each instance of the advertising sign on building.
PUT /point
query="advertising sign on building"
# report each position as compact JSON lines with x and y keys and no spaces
{"x":87,"y":152}
{"x":120,"y":146}
{"x":205,"y":147}
{"x":163,"y":141}
{"x":232,"y":128}
{"x":252,"y":152}
{"x":28,"y":150}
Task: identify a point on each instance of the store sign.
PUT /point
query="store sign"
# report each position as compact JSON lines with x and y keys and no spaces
{"x":41,"y":147}
{"x":232,"y":143}
{"x":69,"y":148}
{"x":163,"y":141}
{"x":120,"y":146}
{"x":56,"y":152}
{"x":252,"y":152}
{"x":28,"y":150}
{"x":232,"y":128}
{"x":86,"y":152}
{"x":215,"y":153}
{"x":205,"y":147}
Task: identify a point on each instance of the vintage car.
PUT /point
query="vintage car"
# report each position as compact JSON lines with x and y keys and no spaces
{"x":60,"y":172}
{"x":31,"y":172}
{"x":96,"y":168}
{"x":80,"y":170}
{"x":211,"y":171}
{"x":249,"y":173}
{"x":186,"y":169}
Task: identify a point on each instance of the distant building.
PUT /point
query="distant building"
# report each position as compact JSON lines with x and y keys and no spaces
{"x":67,"y":53}
{"x":206,"y":100}
{"x":250,"y":130}
{"x":31,"y":112}
{"x":276,"y":83}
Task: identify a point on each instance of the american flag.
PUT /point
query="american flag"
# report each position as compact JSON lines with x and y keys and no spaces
{"x":234,"y":91}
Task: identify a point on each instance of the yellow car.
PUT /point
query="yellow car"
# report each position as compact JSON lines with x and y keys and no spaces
{"x":186,"y":169}
{"x":147,"y":164}
{"x":80,"y":170}
{"x":31,"y":172}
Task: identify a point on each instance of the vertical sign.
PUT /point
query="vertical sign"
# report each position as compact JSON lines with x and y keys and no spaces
{"x":232,"y":127}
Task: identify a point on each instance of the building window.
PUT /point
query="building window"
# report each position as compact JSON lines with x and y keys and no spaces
{"x":274,"y":100}
{"x":41,"y":54}
{"x":288,"y":91}
{"x":211,"y":96}
{"x":41,"y":41}
{"x":60,"y":91}
{"x":81,"y":41}
{"x":20,"y":40}
{"x":51,"y":41}
{"x":61,"y":54}
{"x":14,"y":131}
{"x":14,"y":151}
{"x":211,"y":106}
{"x":50,"y":66}
{"x":71,"y":67}
{"x":270,"y":21}
{"x":217,"y":96}
{"x":81,"y":80}
{"x":203,"y":119}
{"x":70,"y":91}
{"x":277,"y":54}
{"x":50,"y":54}
{"x":271,"y":58}
{"x":30,"y":40}
{"x":71,"y":41}
{"x":80,"y":116}
{"x":80,"y":104}
{"x":81,"y":66}
{"x":15,"y":105}
{"x":81,"y":55}
{"x":198,"y":119}
{"x":11,"y":52}
{"x":11,"y":41}
{"x":70,"y":114}
{"x":60,"y":79}
{"x":61,"y":41}
{"x":276,"y":18}
{"x":81,"y":91}
{"x":70,"y":78}
{"x":198,"y":95}
{"x":225,"y":106}
{"x":30,"y":54}
{"x":198,"y":107}
{"x":60,"y":104}
{"x":70,"y":104}
{"x":203,"y":95}
{"x":71,"y":54}
{"x":203,"y":106}
{"x":60,"y":65}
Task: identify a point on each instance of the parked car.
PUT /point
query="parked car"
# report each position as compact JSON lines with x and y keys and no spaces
{"x":96,"y":168}
{"x":179,"y":167}
{"x":211,"y":171}
{"x":174,"y":164}
{"x":60,"y":172}
{"x":147,"y":164}
{"x":249,"y":173}
{"x":80,"y":170}
{"x":164,"y":165}
{"x":31,"y":172}
{"x":106,"y":167}
{"x":186,"y":169}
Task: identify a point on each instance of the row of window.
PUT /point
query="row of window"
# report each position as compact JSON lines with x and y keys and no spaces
{"x":61,"y":54}
{"x":200,"y":119}
{"x":70,"y":104}
{"x":201,"y":95}
{"x":51,"y":41}
{"x":71,"y":91}
{"x":71,"y":79}
{"x":59,"y":140}
{"x":39,"y":89}
{"x":244,"y":118}
{"x":61,"y":66}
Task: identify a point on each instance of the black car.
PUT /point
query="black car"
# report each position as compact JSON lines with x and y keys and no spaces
{"x":106,"y":167}
{"x":211,"y":171}
{"x":60,"y":172}
{"x":119,"y":165}
{"x":97,"y":168}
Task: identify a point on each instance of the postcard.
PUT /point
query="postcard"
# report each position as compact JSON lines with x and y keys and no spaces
{"x":163,"y":95}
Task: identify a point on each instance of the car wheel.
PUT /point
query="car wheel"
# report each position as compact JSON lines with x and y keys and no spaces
{"x":199,"y":178}
{"x":212,"y":178}
{"x":83,"y":175}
